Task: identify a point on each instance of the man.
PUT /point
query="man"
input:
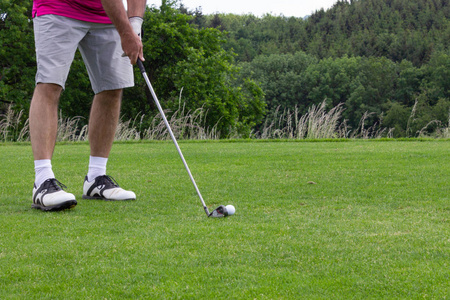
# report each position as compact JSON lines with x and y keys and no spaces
{"x":105,"y":34}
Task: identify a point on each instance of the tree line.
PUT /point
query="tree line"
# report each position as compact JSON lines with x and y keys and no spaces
{"x":396,"y":29}
{"x":388,"y":59}
{"x":384,"y":59}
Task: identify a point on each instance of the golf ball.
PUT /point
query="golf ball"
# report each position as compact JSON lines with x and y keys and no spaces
{"x":230,"y":209}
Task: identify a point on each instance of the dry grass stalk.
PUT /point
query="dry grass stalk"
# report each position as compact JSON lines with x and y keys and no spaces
{"x":317,"y":123}
{"x":9,"y":124}
{"x":411,"y":119}
{"x":68,"y":129}
{"x":184,"y":125}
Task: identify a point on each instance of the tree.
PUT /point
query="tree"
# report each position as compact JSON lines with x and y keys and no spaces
{"x":17,"y":60}
{"x":397,"y":29}
{"x":282,"y":78}
{"x":182,"y":57}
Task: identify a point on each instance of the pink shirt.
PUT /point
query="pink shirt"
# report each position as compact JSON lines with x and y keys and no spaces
{"x":83,"y":10}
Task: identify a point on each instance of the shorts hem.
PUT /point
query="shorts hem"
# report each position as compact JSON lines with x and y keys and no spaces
{"x":48,"y":81}
{"x":111,"y":88}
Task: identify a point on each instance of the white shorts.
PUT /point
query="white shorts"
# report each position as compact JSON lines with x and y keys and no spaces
{"x":57,"y":39}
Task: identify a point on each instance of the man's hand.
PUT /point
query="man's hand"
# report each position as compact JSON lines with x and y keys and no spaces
{"x":136,"y":24}
{"x":131,"y":42}
{"x":132,"y":46}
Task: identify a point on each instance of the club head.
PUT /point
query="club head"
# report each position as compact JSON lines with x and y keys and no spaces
{"x":219,"y":212}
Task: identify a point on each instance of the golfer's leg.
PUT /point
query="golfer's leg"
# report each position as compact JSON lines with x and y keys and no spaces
{"x":103,"y":121}
{"x":109,"y":73}
{"x":56,"y":40}
{"x":44,"y":119}
{"x":47,"y":195}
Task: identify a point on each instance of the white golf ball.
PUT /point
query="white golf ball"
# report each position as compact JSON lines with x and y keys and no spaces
{"x":230,"y":209}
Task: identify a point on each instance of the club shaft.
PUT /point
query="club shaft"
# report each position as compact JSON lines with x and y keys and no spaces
{"x":163,"y":115}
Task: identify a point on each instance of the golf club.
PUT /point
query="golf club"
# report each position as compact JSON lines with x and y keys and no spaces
{"x":220,"y":211}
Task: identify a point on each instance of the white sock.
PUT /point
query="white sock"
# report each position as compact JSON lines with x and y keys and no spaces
{"x":43,"y":171}
{"x":97,"y":167}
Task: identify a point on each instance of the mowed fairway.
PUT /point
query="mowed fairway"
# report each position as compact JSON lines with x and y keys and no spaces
{"x":314,"y":220}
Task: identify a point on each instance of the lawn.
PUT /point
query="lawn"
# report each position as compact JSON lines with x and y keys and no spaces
{"x":314,"y":220}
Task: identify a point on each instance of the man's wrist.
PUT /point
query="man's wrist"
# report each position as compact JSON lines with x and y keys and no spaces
{"x":136,"y":23}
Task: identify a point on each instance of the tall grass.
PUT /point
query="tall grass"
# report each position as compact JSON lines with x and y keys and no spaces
{"x":374,"y":131}
{"x":442,"y":131}
{"x":10,"y":123}
{"x":185,"y":125}
{"x":68,"y":129}
{"x":317,"y":123}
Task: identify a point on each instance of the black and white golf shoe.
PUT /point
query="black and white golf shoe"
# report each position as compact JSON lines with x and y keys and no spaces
{"x":105,"y":188}
{"x":50,"y":196}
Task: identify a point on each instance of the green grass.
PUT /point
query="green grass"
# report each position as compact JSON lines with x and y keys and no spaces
{"x":374,"y":226}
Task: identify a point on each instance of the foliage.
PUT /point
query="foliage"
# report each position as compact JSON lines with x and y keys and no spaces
{"x":386,"y":61}
{"x":181,"y":57}
{"x":282,"y":77}
{"x":189,"y":64}
{"x":250,"y":36}
{"x":17,"y":61}
{"x":395,"y":29}
{"x":371,"y":87}
{"x":377,"y":57}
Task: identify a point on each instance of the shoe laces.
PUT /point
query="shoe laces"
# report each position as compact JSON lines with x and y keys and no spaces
{"x":108,"y":181}
{"x":55,"y":185}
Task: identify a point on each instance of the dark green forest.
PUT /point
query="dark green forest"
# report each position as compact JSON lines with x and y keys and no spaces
{"x":386,"y":61}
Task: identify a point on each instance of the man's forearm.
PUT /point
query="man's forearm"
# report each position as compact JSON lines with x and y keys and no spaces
{"x":131,"y":41}
{"x":136,"y":8}
{"x":116,"y":12}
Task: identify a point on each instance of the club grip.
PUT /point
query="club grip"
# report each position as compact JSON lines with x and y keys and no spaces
{"x":140,"y":65}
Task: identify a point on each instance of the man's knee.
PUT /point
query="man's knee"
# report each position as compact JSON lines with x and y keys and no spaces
{"x":110,"y":96}
{"x":111,"y":93}
{"x":47,"y":92}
